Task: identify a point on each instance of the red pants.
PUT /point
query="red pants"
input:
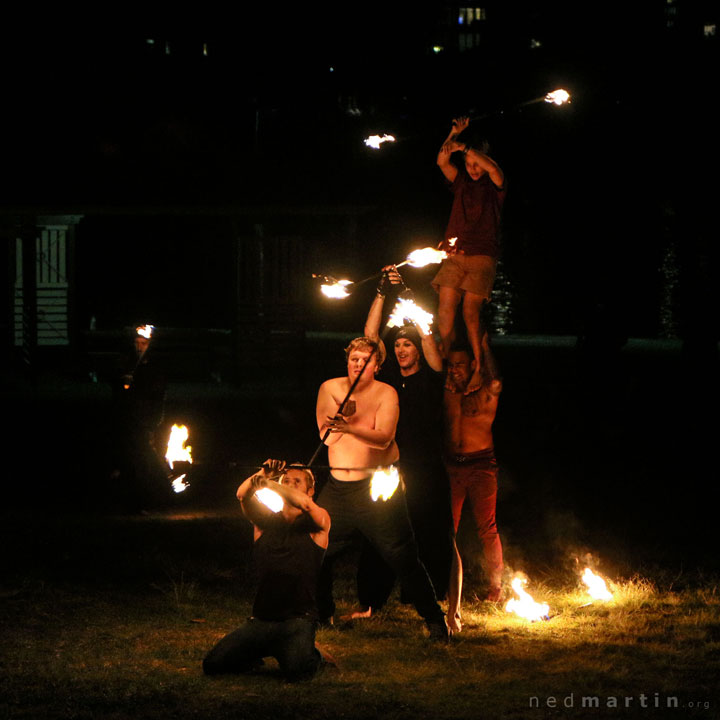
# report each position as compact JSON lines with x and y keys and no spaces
{"x":474,"y":476}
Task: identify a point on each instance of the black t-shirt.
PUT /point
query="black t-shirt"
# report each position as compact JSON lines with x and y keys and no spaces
{"x":287,"y":563}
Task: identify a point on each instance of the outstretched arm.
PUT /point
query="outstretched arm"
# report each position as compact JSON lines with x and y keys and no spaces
{"x":490,"y":373}
{"x":253,"y":509}
{"x":449,"y":147}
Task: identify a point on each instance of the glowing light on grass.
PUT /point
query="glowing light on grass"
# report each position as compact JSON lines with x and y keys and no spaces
{"x":384,"y":483}
{"x":406,"y":309}
{"x":424,"y":256}
{"x":558,"y":97}
{"x":177,"y":451}
{"x":375,"y":141}
{"x":524,"y":606}
{"x":596,"y":585}
{"x":270,"y":499}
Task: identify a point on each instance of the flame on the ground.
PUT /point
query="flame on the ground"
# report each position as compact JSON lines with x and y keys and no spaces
{"x":524,"y":605}
{"x":384,"y":483}
{"x":336,"y":289}
{"x":375,"y":141}
{"x":270,"y":499}
{"x":558,"y":97}
{"x":425,"y":256}
{"x":406,"y":309}
{"x":177,"y":451}
{"x":145,"y":331}
{"x":597,"y":588}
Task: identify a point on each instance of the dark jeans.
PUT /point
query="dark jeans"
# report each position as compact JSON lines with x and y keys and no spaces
{"x":291,"y":642}
{"x":385,"y":524}
{"x":428,"y":502}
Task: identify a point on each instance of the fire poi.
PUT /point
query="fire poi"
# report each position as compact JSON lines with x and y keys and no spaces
{"x":523,"y":605}
{"x":177,"y":452}
{"x":268,"y":497}
{"x":407,"y":309}
{"x":384,"y":483}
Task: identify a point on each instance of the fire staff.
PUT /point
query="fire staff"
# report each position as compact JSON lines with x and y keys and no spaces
{"x":363,"y":436}
{"x":288,"y":550}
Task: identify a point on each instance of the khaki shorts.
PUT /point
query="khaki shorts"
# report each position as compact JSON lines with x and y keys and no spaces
{"x":467,"y":273}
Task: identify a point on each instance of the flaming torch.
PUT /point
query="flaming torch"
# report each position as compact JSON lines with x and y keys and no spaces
{"x":178,"y":452}
{"x":145,"y":331}
{"x":384,"y":483}
{"x":333,"y":288}
{"x":596,"y":585}
{"x":375,"y":141}
{"x":524,"y":606}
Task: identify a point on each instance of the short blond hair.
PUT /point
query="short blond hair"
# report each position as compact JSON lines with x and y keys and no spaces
{"x":374,"y":345}
{"x":309,"y":477}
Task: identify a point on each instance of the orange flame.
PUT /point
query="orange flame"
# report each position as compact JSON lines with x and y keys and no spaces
{"x":375,"y":141}
{"x":558,"y":97}
{"x":336,"y":290}
{"x":145,"y":331}
{"x":270,"y":499}
{"x":524,"y":605}
{"x":177,"y":451}
{"x":384,"y":483}
{"x":424,"y":256}
{"x":596,"y":585}
{"x":406,"y":309}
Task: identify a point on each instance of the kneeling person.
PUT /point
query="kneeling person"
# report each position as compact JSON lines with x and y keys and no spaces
{"x":288,"y":551}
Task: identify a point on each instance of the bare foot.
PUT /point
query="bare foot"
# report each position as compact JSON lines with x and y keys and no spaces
{"x":357,"y":615}
{"x":474,"y":384}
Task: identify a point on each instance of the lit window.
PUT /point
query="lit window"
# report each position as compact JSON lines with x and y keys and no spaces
{"x":710,"y":30}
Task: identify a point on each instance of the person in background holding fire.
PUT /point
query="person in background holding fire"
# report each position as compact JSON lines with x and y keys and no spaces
{"x":471,"y":241}
{"x":470,"y":455}
{"x":288,"y":551}
{"x":360,"y":440}
{"x":416,"y":374}
{"x":139,"y":402}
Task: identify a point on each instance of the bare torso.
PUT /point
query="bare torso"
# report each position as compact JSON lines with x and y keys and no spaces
{"x":372,"y":407}
{"x":469,"y":419}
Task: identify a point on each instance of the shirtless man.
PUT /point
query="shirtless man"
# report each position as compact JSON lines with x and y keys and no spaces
{"x":470,"y":461}
{"x":360,"y":440}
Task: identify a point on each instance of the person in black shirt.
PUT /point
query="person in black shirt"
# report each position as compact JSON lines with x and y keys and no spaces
{"x":288,"y":551}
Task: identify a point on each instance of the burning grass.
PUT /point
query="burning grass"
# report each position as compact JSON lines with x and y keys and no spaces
{"x":112,"y":647}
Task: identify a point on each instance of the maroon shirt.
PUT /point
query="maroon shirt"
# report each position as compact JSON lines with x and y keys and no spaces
{"x":475,"y":215}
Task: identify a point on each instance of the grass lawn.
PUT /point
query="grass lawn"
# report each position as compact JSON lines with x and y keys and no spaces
{"x":112,"y":620}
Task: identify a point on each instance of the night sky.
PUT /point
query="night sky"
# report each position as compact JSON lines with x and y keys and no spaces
{"x":270,"y":106}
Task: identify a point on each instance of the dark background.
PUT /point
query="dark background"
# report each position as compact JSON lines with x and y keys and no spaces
{"x":606,"y":439}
